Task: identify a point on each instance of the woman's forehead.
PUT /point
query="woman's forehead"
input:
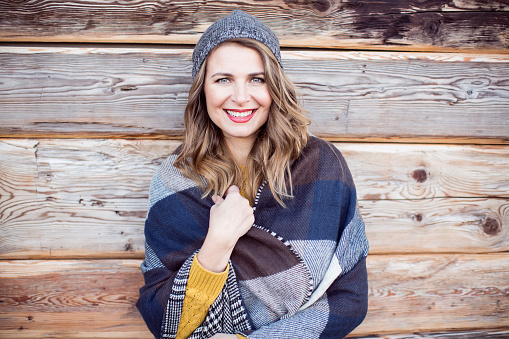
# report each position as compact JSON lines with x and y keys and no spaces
{"x":234,"y":58}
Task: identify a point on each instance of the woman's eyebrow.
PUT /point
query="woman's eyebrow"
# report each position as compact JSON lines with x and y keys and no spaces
{"x":256,"y":74}
{"x":221,"y":74}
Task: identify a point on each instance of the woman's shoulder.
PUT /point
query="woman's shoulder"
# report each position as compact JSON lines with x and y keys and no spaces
{"x":323,"y":151}
{"x":168,"y":180}
{"x":322,"y":159}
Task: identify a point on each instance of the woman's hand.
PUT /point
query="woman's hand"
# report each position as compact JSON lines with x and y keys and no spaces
{"x":230,"y":219}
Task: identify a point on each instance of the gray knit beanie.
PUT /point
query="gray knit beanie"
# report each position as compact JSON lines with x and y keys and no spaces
{"x":236,"y":25}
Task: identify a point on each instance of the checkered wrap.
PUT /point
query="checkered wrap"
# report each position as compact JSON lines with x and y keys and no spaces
{"x":299,"y":272}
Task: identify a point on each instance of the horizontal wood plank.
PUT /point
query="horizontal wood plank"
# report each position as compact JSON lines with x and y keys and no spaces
{"x":451,"y":225}
{"x":368,"y":96}
{"x":411,"y":25}
{"x":419,"y":293}
{"x":476,"y":334}
{"x":71,"y":299}
{"x":87,"y":298}
{"x":88,"y":198}
{"x":417,"y":171}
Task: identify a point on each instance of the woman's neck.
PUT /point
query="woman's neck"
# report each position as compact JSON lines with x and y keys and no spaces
{"x":240,"y":149}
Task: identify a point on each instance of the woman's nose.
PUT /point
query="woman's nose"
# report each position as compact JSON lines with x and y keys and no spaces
{"x":240,"y":94}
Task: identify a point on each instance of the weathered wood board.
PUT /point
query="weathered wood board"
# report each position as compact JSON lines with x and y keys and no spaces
{"x":402,"y":25}
{"x":70,"y":299}
{"x":141,"y":93}
{"x":409,"y":293}
{"x":95,"y":298}
{"x":82,"y":198}
{"x":439,"y":225}
{"x":478,"y":334}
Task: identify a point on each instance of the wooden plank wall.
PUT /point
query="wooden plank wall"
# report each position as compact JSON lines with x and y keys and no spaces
{"x":414,"y":93}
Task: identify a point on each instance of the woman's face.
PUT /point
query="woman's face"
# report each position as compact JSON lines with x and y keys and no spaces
{"x":237,"y":96}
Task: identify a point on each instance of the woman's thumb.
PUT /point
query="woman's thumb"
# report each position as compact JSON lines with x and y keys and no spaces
{"x":232,"y":189}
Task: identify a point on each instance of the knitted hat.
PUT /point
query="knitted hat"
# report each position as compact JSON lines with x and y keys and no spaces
{"x":236,"y":25}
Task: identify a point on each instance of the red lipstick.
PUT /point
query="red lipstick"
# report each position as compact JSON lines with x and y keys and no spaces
{"x":240,"y":115}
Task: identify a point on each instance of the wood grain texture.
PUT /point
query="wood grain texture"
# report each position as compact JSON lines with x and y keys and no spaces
{"x":438,"y":225}
{"x":70,"y":299}
{"x":413,"y":292}
{"x":85,"y":193}
{"x":478,"y":334}
{"x":364,"y":24}
{"x":122,"y":92}
{"x":417,"y":171}
{"x":88,"y":198}
{"x":94,"y":298}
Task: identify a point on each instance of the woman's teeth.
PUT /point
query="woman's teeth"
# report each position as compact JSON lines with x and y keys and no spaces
{"x":240,"y":114}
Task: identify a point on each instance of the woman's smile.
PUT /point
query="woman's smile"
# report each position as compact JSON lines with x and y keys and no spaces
{"x":240,"y":115}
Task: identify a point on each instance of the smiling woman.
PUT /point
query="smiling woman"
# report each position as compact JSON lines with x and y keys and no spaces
{"x":283,"y":257}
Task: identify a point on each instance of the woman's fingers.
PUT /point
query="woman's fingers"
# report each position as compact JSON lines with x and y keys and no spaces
{"x":217,"y":199}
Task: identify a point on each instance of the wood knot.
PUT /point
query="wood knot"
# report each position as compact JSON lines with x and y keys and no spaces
{"x":128,"y":88}
{"x":129,"y":246}
{"x":420,"y":175}
{"x":417,"y":217}
{"x":431,"y":27}
{"x":321,"y":5}
{"x":490,"y":226}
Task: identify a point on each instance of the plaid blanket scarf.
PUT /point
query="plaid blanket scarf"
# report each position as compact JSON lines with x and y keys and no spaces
{"x":299,"y":272}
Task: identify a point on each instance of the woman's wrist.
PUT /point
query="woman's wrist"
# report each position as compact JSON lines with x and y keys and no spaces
{"x":214,"y":257}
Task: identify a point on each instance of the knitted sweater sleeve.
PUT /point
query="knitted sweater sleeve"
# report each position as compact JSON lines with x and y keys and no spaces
{"x":203,"y":287}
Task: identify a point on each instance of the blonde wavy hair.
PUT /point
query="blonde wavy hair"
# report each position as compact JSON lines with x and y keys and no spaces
{"x":205,"y":158}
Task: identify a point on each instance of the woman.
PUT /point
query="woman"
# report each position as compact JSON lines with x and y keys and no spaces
{"x":252,"y":229}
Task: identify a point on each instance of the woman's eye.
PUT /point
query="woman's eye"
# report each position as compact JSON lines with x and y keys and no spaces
{"x":258,"y":80}
{"x":223,"y":80}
